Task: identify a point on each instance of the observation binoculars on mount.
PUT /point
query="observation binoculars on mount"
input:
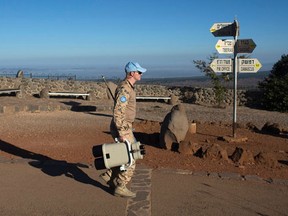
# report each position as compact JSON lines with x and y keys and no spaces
{"x":119,"y":154}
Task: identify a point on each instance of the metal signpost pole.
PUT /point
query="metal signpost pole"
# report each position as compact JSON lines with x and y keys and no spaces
{"x":235,"y":81}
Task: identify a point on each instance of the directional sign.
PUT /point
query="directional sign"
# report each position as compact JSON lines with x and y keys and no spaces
{"x":221,"y":65}
{"x":251,"y":65}
{"x":245,"y":45}
{"x":218,"y":26}
{"x":223,"y":29}
{"x":225,"y":46}
{"x":248,"y":65}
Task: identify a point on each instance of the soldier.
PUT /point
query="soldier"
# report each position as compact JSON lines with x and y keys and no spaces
{"x":121,"y":127}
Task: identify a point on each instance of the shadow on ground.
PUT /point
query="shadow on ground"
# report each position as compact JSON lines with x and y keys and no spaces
{"x":77,"y":107}
{"x":51,"y":166}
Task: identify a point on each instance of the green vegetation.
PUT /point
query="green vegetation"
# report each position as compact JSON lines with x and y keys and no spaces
{"x":217,"y":80}
{"x":275,"y":87}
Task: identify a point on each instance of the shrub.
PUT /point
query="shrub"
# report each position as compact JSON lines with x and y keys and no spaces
{"x":275,"y":87}
{"x":216,"y":80}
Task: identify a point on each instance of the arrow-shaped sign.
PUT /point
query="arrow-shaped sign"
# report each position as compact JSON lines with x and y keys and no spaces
{"x":225,"y":46}
{"x":221,"y":65}
{"x":251,"y":65}
{"x":224,"y":29}
{"x":245,"y":46}
{"x":248,"y":65}
{"x":218,"y":26}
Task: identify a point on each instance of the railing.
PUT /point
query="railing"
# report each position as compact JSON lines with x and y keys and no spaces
{"x":41,"y":76}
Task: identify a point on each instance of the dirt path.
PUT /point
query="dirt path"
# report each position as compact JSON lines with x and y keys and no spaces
{"x":47,"y":165}
{"x":70,"y":136}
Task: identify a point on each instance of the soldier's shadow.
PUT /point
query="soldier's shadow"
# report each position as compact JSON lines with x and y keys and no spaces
{"x":148,"y":139}
{"x":51,"y":166}
{"x":145,"y":138}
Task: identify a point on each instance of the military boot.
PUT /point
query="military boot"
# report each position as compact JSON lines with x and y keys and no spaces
{"x":107,"y":179}
{"x":122,"y":191}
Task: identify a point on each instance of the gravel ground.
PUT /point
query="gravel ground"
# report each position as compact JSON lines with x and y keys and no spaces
{"x":153,"y":110}
{"x":210,"y":114}
{"x":70,"y":132}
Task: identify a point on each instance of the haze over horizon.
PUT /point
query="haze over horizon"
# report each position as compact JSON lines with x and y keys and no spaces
{"x":92,"y":37}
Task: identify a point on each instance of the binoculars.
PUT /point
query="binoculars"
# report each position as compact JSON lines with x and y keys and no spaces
{"x":119,"y":154}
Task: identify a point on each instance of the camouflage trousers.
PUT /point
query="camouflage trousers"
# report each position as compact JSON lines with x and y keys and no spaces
{"x":118,"y":177}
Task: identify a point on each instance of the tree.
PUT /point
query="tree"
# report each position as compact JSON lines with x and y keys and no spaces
{"x":275,"y":87}
{"x":217,"y":80}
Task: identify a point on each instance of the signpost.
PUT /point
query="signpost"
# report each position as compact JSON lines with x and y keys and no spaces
{"x":242,"y":46}
{"x":218,"y":26}
{"x":251,"y":65}
{"x":221,"y":65}
{"x":234,"y":65}
{"x":245,"y":46}
{"x":225,"y":46}
{"x":223,"y":29}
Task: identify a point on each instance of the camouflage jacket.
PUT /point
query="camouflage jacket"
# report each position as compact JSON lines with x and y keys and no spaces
{"x":124,"y":107}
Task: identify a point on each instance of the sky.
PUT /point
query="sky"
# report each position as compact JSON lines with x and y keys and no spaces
{"x":164,"y":36}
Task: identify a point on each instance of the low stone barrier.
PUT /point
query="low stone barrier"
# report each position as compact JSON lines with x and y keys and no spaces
{"x":98,"y":90}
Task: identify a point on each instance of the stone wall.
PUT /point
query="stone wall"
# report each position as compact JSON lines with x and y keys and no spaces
{"x":33,"y":87}
{"x":205,"y":96}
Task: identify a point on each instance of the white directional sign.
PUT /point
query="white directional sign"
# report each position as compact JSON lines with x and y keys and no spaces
{"x":225,"y":46}
{"x":248,"y":65}
{"x":245,"y":45}
{"x":218,"y":26}
{"x":251,"y":65}
{"x":223,"y":29}
{"x":221,"y":65}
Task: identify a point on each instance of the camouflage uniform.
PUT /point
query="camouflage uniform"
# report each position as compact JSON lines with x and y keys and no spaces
{"x":121,"y":125}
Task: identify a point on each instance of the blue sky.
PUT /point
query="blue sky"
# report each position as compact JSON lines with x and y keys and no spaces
{"x":164,"y":36}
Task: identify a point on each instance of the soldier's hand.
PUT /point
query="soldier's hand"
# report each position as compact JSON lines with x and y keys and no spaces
{"x":122,"y":138}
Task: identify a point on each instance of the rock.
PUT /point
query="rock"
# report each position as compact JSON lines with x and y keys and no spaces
{"x":195,"y":147}
{"x":235,"y":157}
{"x":192,"y":128}
{"x":251,"y":126}
{"x":44,"y":93}
{"x":271,"y":128}
{"x":20,"y":94}
{"x":20,"y":74}
{"x":179,"y":122}
{"x":168,"y":141}
{"x":199,"y":153}
{"x":185,"y":147}
{"x":224,"y":155}
{"x":91,"y":96}
{"x":174,"y":127}
{"x":174,"y":100}
{"x":267,"y":159}
{"x":216,"y":152}
{"x":242,"y":157}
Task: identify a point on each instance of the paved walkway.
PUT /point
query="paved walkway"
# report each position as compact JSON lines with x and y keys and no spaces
{"x":28,"y":187}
